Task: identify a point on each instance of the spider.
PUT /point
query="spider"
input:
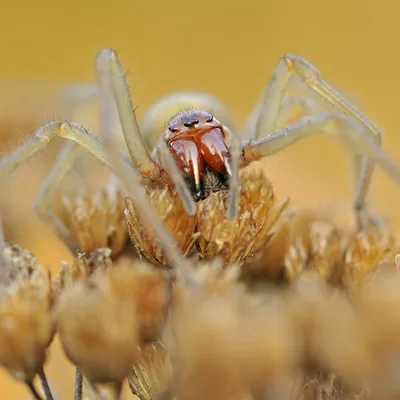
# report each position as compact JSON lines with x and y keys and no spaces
{"x":197,"y":152}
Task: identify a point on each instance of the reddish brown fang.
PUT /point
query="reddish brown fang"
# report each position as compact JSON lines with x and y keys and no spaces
{"x":187,"y":156}
{"x":214,"y":150}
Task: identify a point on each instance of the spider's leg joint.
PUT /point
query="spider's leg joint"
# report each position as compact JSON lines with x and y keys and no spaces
{"x":287,"y":58}
{"x":304,"y":69}
{"x":63,"y":128}
{"x":249,"y":153}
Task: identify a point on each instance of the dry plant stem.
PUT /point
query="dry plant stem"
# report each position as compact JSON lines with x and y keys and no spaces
{"x":33,"y":390}
{"x":4,"y":262}
{"x":92,"y":390}
{"x":166,"y":394}
{"x":282,"y":207}
{"x":117,"y":390}
{"x":234,"y":184}
{"x":169,"y":164}
{"x":45,"y":385}
{"x":78,"y":385}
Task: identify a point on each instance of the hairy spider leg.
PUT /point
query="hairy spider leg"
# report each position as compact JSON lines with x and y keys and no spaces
{"x":270,"y":106}
{"x":340,"y":125}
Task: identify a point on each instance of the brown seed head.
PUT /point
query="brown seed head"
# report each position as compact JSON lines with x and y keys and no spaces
{"x":368,"y":252}
{"x":96,"y":221}
{"x":236,"y":241}
{"x":82,"y":267}
{"x":151,"y":290}
{"x":223,"y":344}
{"x":179,"y":223}
{"x":98,"y":328}
{"x":378,"y":303}
{"x":26,"y":324}
{"x":319,"y":250}
{"x":152,"y":374}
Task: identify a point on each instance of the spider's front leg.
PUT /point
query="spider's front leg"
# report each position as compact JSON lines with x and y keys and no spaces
{"x":45,"y":135}
{"x":352,"y":134}
{"x":271,"y":105}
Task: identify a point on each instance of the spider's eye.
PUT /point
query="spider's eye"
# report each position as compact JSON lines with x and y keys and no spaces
{"x":191,"y":123}
{"x":210,"y":119}
{"x":172,"y":130}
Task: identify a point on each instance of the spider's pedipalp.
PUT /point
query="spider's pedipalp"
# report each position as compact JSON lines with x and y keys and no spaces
{"x":234,"y":182}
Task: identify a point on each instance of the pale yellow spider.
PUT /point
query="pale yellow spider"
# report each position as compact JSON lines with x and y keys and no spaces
{"x":206,"y":153}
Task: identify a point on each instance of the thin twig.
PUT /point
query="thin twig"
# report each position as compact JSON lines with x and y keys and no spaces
{"x":78,"y":385}
{"x":117,"y":390}
{"x":33,"y":390}
{"x":5,"y":266}
{"x":92,"y":390}
{"x":45,"y":385}
{"x":166,"y":394}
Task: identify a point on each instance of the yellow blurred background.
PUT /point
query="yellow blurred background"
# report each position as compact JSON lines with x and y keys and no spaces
{"x":227,"y":48}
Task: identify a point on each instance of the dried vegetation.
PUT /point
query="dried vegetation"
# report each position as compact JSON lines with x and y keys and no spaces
{"x":279,"y":305}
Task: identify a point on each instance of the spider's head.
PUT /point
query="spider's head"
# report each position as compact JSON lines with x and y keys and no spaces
{"x":197,"y":141}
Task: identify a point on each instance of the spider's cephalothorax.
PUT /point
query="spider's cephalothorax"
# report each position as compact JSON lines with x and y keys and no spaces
{"x":198,"y":142}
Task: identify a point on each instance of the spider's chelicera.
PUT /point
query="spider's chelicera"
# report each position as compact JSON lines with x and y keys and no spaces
{"x":197,"y":141}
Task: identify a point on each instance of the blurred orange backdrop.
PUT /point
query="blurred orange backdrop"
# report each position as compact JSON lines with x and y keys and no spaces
{"x":227,"y":48}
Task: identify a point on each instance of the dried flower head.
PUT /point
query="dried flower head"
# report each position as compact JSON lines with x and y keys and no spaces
{"x":367,"y":252}
{"x":151,"y":289}
{"x":103,"y":317}
{"x":152,"y":374}
{"x":319,"y":250}
{"x":378,"y":304}
{"x":82,"y":267}
{"x":224,"y":346}
{"x":238,"y":240}
{"x":98,"y":329}
{"x":96,"y":220}
{"x":179,"y":223}
{"x":26,"y":323}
